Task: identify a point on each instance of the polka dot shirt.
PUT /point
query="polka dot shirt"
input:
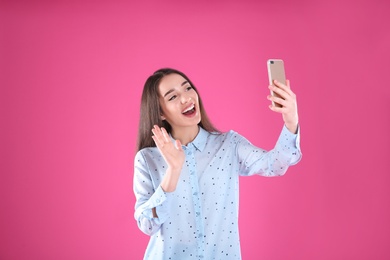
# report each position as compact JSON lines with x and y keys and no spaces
{"x":199,"y":220}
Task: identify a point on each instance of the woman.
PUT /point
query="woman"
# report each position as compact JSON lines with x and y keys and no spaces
{"x":186,"y":173}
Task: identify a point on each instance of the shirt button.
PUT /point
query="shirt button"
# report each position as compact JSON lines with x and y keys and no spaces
{"x":158,"y":200}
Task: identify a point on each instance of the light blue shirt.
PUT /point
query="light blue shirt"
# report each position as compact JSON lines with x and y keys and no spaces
{"x":199,"y":220}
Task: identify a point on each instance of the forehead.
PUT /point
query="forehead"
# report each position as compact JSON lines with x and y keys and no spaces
{"x":171,"y":81}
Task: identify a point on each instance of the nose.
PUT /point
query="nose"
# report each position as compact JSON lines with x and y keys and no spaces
{"x":185,"y":99}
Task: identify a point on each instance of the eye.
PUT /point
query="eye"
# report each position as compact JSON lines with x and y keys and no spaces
{"x":172,"y":98}
{"x":189,"y":88}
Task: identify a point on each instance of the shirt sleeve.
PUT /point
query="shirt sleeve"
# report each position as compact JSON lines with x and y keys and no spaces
{"x":148,"y":197}
{"x":255,"y":160}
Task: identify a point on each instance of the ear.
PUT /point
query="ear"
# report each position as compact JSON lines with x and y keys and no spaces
{"x":163,"y":118}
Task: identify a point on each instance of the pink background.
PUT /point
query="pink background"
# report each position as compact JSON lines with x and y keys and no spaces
{"x":71,"y":76}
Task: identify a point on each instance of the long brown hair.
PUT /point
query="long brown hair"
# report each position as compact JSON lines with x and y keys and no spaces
{"x":150,"y":113}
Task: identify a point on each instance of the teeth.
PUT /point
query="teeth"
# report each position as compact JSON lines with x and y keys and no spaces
{"x":188,"y":109}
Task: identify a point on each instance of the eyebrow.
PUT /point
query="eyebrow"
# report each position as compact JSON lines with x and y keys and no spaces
{"x":171,"y":90}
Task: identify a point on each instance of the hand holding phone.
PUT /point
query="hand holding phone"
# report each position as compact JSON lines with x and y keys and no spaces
{"x":289,"y":108}
{"x":276,"y":72}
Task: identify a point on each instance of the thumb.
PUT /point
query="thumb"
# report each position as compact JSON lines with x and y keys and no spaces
{"x":288,"y":83}
{"x":178,"y":145}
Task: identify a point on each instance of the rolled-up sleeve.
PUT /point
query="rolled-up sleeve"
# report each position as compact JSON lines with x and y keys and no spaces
{"x":148,"y":197}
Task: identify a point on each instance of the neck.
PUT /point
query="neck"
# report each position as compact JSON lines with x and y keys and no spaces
{"x":185,"y":134}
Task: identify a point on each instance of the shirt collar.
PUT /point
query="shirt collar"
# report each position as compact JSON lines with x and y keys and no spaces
{"x":200,"y":140}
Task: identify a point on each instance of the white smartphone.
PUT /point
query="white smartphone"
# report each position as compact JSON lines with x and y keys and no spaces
{"x":276,"y":72}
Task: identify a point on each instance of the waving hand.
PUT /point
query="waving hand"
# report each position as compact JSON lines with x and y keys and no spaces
{"x":173,"y":155}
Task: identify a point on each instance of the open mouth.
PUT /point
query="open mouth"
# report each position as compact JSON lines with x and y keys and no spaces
{"x":189,"y":110}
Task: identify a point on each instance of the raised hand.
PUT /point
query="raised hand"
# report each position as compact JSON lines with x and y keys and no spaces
{"x":289,"y":109}
{"x":173,"y":155}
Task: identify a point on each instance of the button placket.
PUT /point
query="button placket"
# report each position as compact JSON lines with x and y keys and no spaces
{"x":196,"y":201}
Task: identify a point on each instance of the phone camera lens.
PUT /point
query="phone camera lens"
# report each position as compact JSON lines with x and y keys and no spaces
{"x":272,"y":62}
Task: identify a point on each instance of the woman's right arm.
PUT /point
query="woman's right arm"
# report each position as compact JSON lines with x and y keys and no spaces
{"x":152,"y":204}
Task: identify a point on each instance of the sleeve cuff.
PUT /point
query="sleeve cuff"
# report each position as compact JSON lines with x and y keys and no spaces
{"x":161,"y":201}
{"x":288,"y":145}
{"x":290,"y":138}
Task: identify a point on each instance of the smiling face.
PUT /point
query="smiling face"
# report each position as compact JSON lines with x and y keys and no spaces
{"x":179,"y":103}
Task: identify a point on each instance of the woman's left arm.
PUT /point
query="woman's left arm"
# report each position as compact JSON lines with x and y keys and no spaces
{"x":288,"y":100}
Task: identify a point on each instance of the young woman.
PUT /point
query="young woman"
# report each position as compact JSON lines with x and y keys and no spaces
{"x":186,"y":172}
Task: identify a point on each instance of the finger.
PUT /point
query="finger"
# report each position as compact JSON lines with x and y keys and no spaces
{"x":284,"y":87}
{"x":157,"y":132}
{"x":178,"y":145}
{"x":281,"y":85}
{"x":165,"y":134}
{"x":278,"y":100}
{"x":277,"y":109}
{"x":155,"y":136}
{"x":278,"y":91}
{"x":158,"y":143}
{"x":158,"y":135}
{"x":284,"y":93}
{"x":289,"y":88}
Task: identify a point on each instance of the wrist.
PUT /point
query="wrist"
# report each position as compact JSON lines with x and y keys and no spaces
{"x":173,"y":170}
{"x":292,"y":127}
{"x":169,"y":182}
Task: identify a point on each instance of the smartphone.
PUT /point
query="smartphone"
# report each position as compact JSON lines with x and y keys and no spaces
{"x":276,"y":72}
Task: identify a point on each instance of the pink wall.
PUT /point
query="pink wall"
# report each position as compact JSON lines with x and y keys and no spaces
{"x":71,"y":77}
